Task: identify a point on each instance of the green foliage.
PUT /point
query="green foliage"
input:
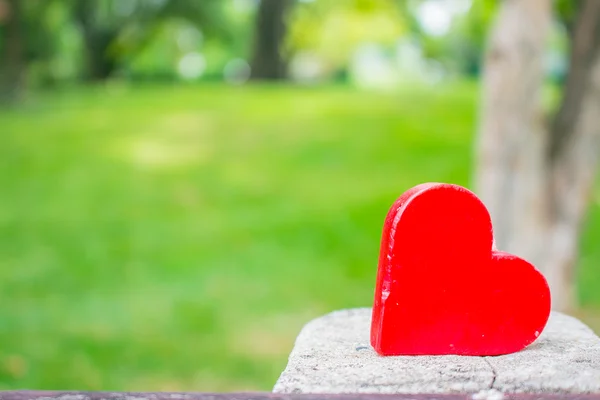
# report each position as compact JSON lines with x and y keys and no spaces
{"x":177,"y":238}
{"x":470,"y":34}
{"x":566,"y":12}
{"x":333,"y":29}
{"x":50,"y":43}
{"x":142,"y":23}
{"x":158,"y":58}
{"x":461,"y":49}
{"x":62,"y":37}
{"x":139,"y":38}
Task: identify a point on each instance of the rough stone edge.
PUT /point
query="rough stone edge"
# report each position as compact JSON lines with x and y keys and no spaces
{"x":491,"y":392}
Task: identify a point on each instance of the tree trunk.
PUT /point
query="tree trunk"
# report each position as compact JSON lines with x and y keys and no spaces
{"x":574,"y":148}
{"x":96,"y":40}
{"x":12,"y":60}
{"x":512,"y":142}
{"x":537,"y":180}
{"x":270,"y":30}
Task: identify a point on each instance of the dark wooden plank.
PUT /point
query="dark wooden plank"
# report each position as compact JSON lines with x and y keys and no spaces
{"x":56,"y":395}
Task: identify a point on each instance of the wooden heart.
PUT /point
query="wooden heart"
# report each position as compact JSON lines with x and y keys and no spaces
{"x":442,"y":287}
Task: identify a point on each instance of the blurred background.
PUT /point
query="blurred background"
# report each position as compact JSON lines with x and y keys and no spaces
{"x":185,"y":183}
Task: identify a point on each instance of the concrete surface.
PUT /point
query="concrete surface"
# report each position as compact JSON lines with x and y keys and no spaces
{"x":332,"y":354}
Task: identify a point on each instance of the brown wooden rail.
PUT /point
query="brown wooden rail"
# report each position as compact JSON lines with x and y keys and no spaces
{"x":56,"y":395}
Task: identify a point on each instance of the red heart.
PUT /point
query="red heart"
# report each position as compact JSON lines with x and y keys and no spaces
{"x":443,"y":288}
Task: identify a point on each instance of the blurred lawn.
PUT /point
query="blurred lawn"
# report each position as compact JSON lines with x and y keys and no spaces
{"x":177,"y":238}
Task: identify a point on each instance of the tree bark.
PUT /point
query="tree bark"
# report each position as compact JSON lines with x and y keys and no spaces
{"x":536,"y":180}
{"x":270,"y":29}
{"x":575,"y":144}
{"x":12,"y":59}
{"x":512,"y":141}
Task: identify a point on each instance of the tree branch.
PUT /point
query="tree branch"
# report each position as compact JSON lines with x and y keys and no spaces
{"x":585,"y":46}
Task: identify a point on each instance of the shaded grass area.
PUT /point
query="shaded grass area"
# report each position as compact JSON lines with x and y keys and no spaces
{"x":177,"y":238}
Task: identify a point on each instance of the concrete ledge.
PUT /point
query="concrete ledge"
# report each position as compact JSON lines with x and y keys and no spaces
{"x":332,"y":354}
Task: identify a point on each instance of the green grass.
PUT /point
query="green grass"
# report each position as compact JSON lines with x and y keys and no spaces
{"x":177,"y":238}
